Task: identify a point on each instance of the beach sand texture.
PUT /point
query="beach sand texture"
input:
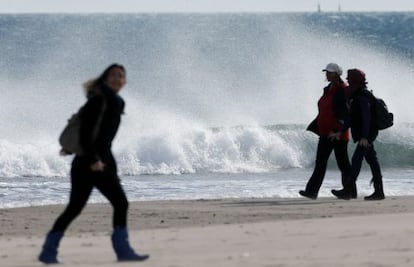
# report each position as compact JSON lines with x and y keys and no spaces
{"x":230,"y":232}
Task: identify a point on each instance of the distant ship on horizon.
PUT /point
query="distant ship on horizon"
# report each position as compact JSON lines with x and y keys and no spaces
{"x":320,"y":10}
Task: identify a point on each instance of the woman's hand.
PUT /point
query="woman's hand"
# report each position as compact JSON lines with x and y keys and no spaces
{"x":363,"y":142}
{"x":334,"y":136}
{"x":98,"y":166}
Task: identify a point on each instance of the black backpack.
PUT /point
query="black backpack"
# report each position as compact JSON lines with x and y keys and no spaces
{"x":382,"y":117}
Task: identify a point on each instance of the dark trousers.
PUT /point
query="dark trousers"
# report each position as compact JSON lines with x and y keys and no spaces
{"x":370,"y":156}
{"x":83,"y":181}
{"x":325,"y":147}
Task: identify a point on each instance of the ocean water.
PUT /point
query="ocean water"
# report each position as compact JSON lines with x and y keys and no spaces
{"x":217,"y":104}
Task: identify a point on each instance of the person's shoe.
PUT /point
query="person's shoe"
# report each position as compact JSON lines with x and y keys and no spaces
{"x":348,"y":192}
{"x":375,"y":196}
{"x":341,"y":194}
{"x":123,"y":250}
{"x":307,"y":194}
{"x":49,"y":251}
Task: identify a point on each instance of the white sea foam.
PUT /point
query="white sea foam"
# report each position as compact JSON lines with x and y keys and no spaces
{"x":181,"y":150}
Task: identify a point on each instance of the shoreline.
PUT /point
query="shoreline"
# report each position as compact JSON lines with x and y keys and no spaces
{"x":266,"y":232}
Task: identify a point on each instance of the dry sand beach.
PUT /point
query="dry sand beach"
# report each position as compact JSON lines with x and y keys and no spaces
{"x":230,"y":232}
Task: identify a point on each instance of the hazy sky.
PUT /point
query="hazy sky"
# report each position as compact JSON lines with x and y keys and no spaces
{"x":19,"y":6}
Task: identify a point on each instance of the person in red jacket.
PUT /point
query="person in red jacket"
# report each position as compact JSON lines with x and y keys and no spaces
{"x":332,"y":126}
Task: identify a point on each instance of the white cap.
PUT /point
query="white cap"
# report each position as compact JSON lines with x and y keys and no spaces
{"x":333,"y":67}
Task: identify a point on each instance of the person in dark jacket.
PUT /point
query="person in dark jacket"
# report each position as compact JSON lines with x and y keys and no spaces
{"x":331,"y":125}
{"x":364,"y":133}
{"x":96,"y":167}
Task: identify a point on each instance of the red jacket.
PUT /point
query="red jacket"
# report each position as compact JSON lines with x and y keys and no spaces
{"x":333,"y":111}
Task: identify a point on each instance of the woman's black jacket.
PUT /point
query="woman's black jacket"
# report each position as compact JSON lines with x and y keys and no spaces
{"x":102,"y":113}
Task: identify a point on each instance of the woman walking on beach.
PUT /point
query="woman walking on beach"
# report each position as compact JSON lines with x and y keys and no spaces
{"x":331,"y":125}
{"x":96,"y":167}
{"x":364,"y":132}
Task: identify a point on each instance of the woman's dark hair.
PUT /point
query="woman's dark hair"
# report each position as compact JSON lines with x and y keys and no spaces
{"x":357,"y":77}
{"x":100,"y":81}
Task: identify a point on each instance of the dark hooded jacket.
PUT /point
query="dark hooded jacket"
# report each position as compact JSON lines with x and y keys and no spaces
{"x":362,"y":122}
{"x":361,"y":107}
{"x":102,"y":112}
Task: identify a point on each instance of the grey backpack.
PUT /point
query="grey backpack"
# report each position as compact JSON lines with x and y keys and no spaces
{"x":69,"y":139}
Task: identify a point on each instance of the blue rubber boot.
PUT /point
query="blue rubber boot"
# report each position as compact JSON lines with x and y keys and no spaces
{"x":123,"y":250}
{"x":49,"y":251}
